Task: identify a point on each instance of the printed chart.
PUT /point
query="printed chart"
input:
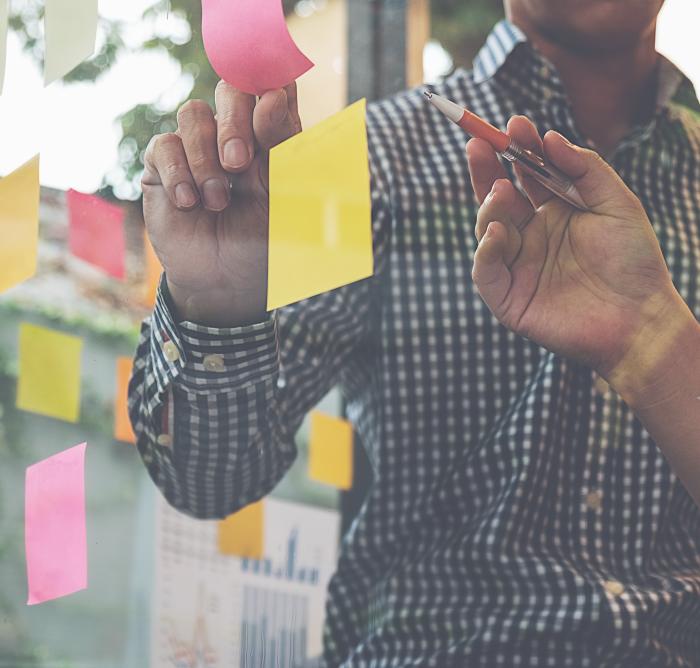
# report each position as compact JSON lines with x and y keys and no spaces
{"x":213,"y":611}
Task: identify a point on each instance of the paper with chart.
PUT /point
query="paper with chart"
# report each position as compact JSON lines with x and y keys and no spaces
{"x":217,"y":611}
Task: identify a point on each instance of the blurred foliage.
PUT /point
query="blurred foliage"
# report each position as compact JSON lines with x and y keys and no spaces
{"x":175,"y":27}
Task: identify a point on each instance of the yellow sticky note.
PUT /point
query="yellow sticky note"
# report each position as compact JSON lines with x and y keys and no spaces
{"x":320,"y":209}
{"x":241,"y":534}
{"x":122,"y":424}
{"x":49,"y":372}
{"x":19,"y":224}
{"x":330,"y":450}
{"x":70,"y":29}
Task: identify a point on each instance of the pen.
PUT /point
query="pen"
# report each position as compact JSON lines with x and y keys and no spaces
{"x":549,"y":176}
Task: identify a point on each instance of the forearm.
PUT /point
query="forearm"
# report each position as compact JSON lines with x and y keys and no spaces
{"x":661,"y":383}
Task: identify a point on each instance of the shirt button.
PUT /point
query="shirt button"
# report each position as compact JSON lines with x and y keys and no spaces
{"x":601,"y":386}
{"x":613,"y":587}
{"x":547,"y":94}
{"x":172,"y":354}
{"x":214,"y":363}
{"x":545,"y":71}
{"x":594,"y":499}
{"x":165,"y":440}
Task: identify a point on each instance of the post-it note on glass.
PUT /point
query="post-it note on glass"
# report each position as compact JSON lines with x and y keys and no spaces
{"x":249,"y":46}
{"x":241,"y":534}
{"x":152,"y":272}
{"x":49,"y":372}
{"x":96,"y":232}
{"x":330,"y":450}
{"x":19,"y":224}
{"x":320,"y":210}
{"x":70,"y":27}
{"x":54,"y":526}
{"x":122,"y":425}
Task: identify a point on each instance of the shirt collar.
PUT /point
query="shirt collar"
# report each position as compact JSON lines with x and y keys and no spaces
{"x":500,"y":43}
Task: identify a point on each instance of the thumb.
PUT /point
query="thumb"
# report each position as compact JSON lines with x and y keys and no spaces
{"x":597,"y":182}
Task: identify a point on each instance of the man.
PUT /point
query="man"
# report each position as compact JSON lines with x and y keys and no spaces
{"x":519,"y":514}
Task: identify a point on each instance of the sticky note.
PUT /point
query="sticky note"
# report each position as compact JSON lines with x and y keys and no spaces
{"x":54,"y":526}
{"x":19,"y":224}
{"x":249,"y":46}
{"x":330,"y":450}
{"x":152,"y":272}
{"x":241,"y":534}
{"x":122,"y":425}
{"x":96,"y":232}
{"x":49,"y":372}
{"x":320,"y":210}
{"x":4,"y":11}
{"x":70,"y":28}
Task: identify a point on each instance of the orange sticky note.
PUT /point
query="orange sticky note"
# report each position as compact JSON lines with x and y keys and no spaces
{"x":330,"y":450}
{"x":49,"y":372}
{"x":122,"y":424}
{"x":152,"y":272}
{"x":19,"y":224}
{"x":241,"y":534}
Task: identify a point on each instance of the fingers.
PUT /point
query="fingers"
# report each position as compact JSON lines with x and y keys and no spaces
{"x":596,"y":181}
{"x":490,"y":273}
{"x":276,"y":117}
{"x":484,"y":167}
{"x":165,"y":163}
{"x":525,"y":134}
{"x":234,"y":120}
{"x":505,"y":204}
{"x":197,"y":128}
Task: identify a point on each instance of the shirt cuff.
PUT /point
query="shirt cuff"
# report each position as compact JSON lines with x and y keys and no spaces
{"x":205,"y":359}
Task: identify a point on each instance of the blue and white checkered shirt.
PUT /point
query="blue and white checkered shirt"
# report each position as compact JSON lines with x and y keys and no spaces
{"x":519,"y":514}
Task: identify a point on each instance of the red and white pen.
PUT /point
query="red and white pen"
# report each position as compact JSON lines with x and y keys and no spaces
{"x":549,"y":176}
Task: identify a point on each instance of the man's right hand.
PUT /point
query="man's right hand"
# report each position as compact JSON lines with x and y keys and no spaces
{"x":211,"y":237}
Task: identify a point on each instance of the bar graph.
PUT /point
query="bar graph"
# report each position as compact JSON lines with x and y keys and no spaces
{"x":274,"y":627}
{"x":286,"y":570}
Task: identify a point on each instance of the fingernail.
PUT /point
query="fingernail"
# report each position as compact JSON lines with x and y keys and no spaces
{"x":492,"y":192}
{"x":235,"y":153}
{"x":215,"y":194}
{"x":185,"y":196}
{"x":564,"y":139}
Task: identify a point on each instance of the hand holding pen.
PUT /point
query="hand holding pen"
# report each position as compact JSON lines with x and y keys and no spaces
{"x":589,"y":285}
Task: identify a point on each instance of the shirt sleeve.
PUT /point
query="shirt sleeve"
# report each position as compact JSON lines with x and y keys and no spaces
{"x":216,"y":410}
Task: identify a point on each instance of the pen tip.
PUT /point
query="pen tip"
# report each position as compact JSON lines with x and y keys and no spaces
{"x":428,"y":94}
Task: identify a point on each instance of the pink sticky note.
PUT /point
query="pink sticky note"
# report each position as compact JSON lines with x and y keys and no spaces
{"x":54,"y":526}
{"x":249,"y":46}
{"x":96,"y":232}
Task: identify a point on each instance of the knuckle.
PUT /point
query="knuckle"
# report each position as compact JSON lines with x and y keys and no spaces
{"x":193,"y":110}
{"x":199,"y":161}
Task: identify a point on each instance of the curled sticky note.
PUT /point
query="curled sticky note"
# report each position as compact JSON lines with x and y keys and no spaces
{"x":249,"y":45}
{"x":49,"y":372}
{"x":54,"y":526}
{"x":19,"y":224}
{"x":330,"y":450}
{"x":96,"y":232}
{"x":70,"y":29}
{"x":241,"y":534}
{"x":122,"y":425}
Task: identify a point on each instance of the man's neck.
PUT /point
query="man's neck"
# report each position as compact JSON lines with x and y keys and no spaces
{"x":609,"y":92}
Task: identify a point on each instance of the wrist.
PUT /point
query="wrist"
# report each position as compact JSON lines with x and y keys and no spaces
{"x":212,"y":308}
{"x":656,"y":363}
